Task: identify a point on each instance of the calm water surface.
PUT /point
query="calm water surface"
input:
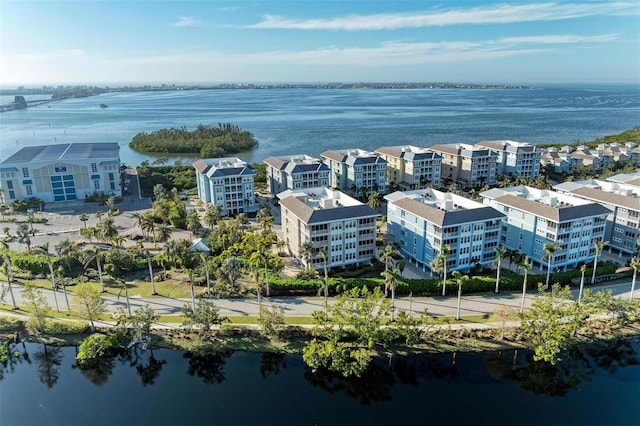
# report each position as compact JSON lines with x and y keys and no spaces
{"x":596,"y":385}
{"x":313,"y":120}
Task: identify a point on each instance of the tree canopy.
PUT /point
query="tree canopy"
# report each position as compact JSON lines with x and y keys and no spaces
{"x":208,"y":141}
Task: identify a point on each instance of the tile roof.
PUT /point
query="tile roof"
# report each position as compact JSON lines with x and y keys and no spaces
{"x":556,"y":214}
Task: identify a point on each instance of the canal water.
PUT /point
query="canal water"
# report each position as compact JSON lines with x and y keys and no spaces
{"x":597,"y":384}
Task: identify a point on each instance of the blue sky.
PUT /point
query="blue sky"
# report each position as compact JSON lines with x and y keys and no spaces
{"x":174,"y":42}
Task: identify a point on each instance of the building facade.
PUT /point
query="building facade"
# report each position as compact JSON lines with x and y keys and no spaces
{"x":410,"y":167}
{"x":295,"y":172}
{"x":623,"y":202}
{"x":467,"y":165}
{"x":330,"y":220}
{"x":227,"y":183}
{"x":517,"y":159}
{"x":535,"y":217}
{"x":62,"y":172}
{"x":356,"y":170}
{"x":422,"y":222}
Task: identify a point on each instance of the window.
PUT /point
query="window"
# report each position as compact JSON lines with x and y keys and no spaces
{"x":94,"y":167}
{"x":29,"y":189}
{"x":96,"y":184}
{"x":25,"y":172}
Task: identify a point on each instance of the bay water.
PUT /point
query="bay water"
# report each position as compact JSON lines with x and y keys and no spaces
{"x":309,"y":121}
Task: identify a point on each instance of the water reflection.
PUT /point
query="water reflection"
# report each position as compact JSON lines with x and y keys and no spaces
{"x":48,"y":360}
{"x":272,"y":363}
{"x":150,"y":371}
{"x":207,"y":366}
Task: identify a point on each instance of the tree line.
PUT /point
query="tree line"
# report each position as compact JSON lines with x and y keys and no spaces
{"x":206,"y":140}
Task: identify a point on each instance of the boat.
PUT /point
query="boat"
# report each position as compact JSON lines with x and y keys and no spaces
{"x":103,"y":105}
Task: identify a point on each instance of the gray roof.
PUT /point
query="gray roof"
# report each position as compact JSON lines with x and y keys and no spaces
{"x":396,"y":151}
{"x":448,"y":218}
{"x":275,"y":162}
{"x":310,"y":215}
{"x":561,"y":214}
{"x":608,"y":197}
{"x":62,"y":152}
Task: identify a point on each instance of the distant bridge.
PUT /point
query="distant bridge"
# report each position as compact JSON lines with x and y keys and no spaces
{"x":19,"y":102}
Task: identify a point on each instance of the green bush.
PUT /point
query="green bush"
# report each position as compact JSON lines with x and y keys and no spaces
{"x":36,"y":264}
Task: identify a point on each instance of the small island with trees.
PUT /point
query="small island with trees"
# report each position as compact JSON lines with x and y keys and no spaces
{"x":207,"y":141}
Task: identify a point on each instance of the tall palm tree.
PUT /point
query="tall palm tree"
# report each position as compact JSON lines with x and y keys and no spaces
{"x":8,"y":272}
{"x":501,"y":253}
{"x":148,"y":256}
{"x":161,"y":210}
{"x":189,"y":273}
{"x":386,"y":256}
{"x":635,"y":264}
{"x":323,"y":253}
{"x":148,"y":226}
{"x":44,"y":249}
{"x":66,"y":252}
{"x":598,"y":245}
{"x":460,"y":279}
{"x":441,"y":263}
{"x":205,"y":264}
{"x":391,"y":282}
{"x":549,"y":249}
{"x":95,"y":254}
{"x":525,"y":265}
{"x":583,"y":269}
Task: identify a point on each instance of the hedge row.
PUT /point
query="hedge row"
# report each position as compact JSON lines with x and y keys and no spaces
{"x":428,"y":286}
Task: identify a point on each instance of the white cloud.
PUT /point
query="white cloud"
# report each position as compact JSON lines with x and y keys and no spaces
{"x":560,"y":39}
{"x":186,"y":21}
{"x":493,"y":14}
{"x":76,"y":65}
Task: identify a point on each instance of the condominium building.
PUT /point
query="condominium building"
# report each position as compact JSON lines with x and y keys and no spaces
{"x":623,"y":202}
{"x":517,"y":159}
{"x":295,"y":172}
{"x":422,"y":222}
{"x":356,"y":170}
{"x":411,"y":167}
{"x":331,"y":220}
{"x":535,"y":217}
{"x":467,"y":165}
{"x":227,"y":183}
{"x":62,"y":172}
{"x":626,"y":178}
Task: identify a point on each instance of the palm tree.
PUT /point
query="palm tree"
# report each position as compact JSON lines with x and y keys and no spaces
{"x":148,"y":226}
{"x":306,"y":251}
{"x":501,"y":252}
{"x":443,"y":256}
{"x":161,"y":210}
{"x":189,"y":273}
{"x":205,"y":264}
{"x":635,"y":264}
{"x":65,"y":251}
{"x":323,"y":253}
{"x":525,"y":265}
{"x":44,"y":249}
{"x":8,"y":272}
{"x":23,"y":235}
{"x":549,"y":249}
{"x":386,"y":256}
{"x":460,"y":279}
{"x":212,"y":216}
{"x":583,"y":269}
{"x":193,"y":222}
{"x":374,"y":200}
{"x":231,"y":268}
{"x":391,"y":281}
{"x":148,"y":256}
{"x":84,"y":218}
{"x":163,"y":233}
{"x":107,"y":229}
{"x":95,"y":254}
{"x":598,"y":245}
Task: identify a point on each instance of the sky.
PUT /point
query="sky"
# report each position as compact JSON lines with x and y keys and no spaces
{"x":316,"y":41}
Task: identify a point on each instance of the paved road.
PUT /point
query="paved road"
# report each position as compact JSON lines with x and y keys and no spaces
{"x":305,"y":306}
